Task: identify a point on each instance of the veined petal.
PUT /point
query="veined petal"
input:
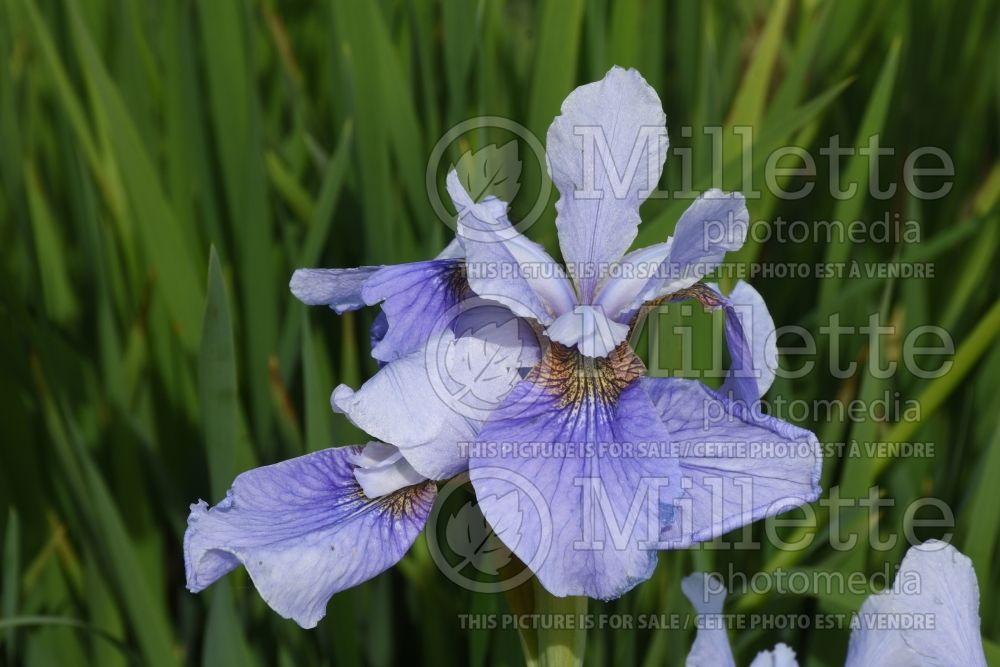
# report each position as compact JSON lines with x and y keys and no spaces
{"x":631,"y":278}
{"x":716,"y":223}
{"x":381,"y":470}
{"x":559,"y":476}
{"x":736,"y":465}
{"x":431,"y":403}
{"x":935,"y":582}
{"x":304,"y":530}
{"x":711,"y":644}
{"x":589,"y":330}
{"x":504,"y":265}
{"x":415,"y":298}
{"x":339,"y":289}
{"x":605,"y":154}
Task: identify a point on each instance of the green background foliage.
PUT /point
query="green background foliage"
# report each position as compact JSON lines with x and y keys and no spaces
{"x":166,"y":165}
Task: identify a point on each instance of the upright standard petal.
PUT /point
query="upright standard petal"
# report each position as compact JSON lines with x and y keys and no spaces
{"x":567,"y":471}
{"x":605,"y":154}
{"x":929,"y":617}
{"x":736,"y":465}
{"x":432,"y":402}
{"x":716,"y":223}
{"x":304,"y":530}
{"x":339,"y":289}
{"x":505,"y":266}
{"x":711,"y":644}
{"x":630,"y":278}
{"x":416,"y":299}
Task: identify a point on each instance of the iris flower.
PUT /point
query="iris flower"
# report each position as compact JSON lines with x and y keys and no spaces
{"x":930,"y":616}
{"x":498,"y":362}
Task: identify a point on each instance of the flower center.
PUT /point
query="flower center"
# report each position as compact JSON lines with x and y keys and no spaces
{"x":576,"y":378}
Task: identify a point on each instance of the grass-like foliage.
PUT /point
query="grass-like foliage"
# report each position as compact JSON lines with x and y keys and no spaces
{"x":164,"y":166}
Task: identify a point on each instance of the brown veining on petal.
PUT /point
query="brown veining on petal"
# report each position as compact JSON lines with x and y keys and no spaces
{"x":458,"y":281}
{"x":402,"y":502}
{"x":575,"y":378}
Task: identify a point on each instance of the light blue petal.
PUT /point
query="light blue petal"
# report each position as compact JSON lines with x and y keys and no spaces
{"x":935,"y":585}
{"x":505,"y":266}
{"x":635,"y":275}
{"x":381,"y":470}
{"x":711,"y":644}
{"x":781,"y":655}
{"x":580,"y":518}
{"x":589,"y":330}
{"x":736,"y":464}
{"x":304,"y":530}
{"x":757,"y":327}
{"x":714,"y":224}
{"x":431,"y":402}
{"x":605,"y":154}
{"x":339,"y":289}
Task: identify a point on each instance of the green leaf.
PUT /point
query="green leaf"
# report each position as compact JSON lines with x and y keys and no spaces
{"x":849,"y":208}
{"x":11,"y":580}
{"x":560,"y":646}
{"x":748,"y":107}
{"x":217,"y":381}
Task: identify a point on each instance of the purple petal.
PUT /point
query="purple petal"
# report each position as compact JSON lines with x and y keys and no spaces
{"x":736,"y":465}
{"x":605,"y":154}
{"x":432,"y":401}
{"x":711,"y":644}
{"x":936,"y":590}
{"x":583,"y":518}
{"x":505,"y":266}
{"x":304,"y":530}
{"x":339,"y":289}
{"x":416,"y":299}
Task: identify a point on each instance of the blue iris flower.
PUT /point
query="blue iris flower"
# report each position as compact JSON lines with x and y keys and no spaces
{"x":499,"y":363}
{"x":929,"y":616}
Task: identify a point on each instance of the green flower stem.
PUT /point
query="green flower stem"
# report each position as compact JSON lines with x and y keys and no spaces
{"x":560,"y":644}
